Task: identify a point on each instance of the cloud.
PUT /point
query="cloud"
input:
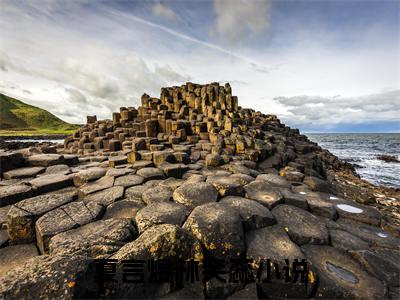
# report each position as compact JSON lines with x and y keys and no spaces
{"x":328,"y":111}
{"x":164,"y":11}
{"x":235,"y":19}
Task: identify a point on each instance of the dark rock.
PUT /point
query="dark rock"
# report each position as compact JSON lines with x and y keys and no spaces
{"x":23,"y":172}
{"x":45,"y":160}
{"x":219,"y":228}
{"x":264,"y":193}
{"x":157,"y":194}
{"x":13,"y":193}
{"x":68,"y":216}
{"x":96,"y":186}
{"x":10,"y":161}
{"x":87,"y":175}
{"x":150,"y":173}
{"x":293,"y":198}
{"x":213,"y":160}
{"x":156,"y":213}
{"x":274,"y":180}
{"x":23,"y":215}
{"x":164,"y":241}
{"x":114,"y":161}
{"x":106,"y":197}
{"x":47,"y":277}
{"x":319,"y":206}
{"x":316,"y":184}
{"x":340,"y":276}
{"x":253,"y":214}
{"x":97,"y":240}
{"x":280,"y":247}
{"x":388,"y":158}
{"x":374,"y":236}
{"x":226,"y":186}
{"x":249,"y":292}
{"x":13,"y":256}
{"x":123,"y":209}
{"x":382,"y":263}
{"x":3,"y":237}
{"x":193,"y":195}
{"x":128,"y":180}
{"x":301,"y":226}
{"x":360,"y":213}
{"x":49,"y":183}
{"x":57,"y":169}
{"x":343,"y":240}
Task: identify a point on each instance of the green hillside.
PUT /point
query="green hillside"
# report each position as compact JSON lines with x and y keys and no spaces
{"x":18,"y":117}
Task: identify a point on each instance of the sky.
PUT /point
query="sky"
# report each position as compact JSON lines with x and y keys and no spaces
{"x":320,"y":66}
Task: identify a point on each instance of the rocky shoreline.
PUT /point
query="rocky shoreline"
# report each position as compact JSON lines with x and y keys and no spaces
{"x":192,"y":175}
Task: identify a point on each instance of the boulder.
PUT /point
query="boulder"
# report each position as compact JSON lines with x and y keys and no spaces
{"x":264,"y":193}
{"x":48,"y":277}
{"x":49,"y":183}
{"x":274,"y":180}
{"x":10,"y":161}
{"x":87,"y":175}
{"x":114,"y":161}
{"x":213,"y":160}
{"x":343,"y":240}
{"x":374,"y":236}
{"x":23,"y":215}
{"x":321,"y":207}
{"x":23,"y":172}
{"x":157,"y":194}
{"x":193,"y":195}
{"x":13,"y":256}
{"x":360,"y":213}
{"x":45,"y":160}
{"x":253,"y":214}
{"x":226,"y":186}
{"x":219,"y":228}
{"x":96,"y":240}
{"x":280,"y":248}
{"x":156,"y":213}
{"x":135,"y":192}
{"x":340,"y":276}
{"x":106,"y":197}
{"x":316,"y":184}
{"x":10,"y":194}
{"x":57,"y":169}
{"x":96,"y":186}
{"x":123,"y":209}
{"x":128,"y":180}
{"x":382,"y":263}
{"x":150,"y":173}
{"x":68,"y":216}
{"x":163,"y":241}
{"x":293,"y":198}
{"x":301,"y":226}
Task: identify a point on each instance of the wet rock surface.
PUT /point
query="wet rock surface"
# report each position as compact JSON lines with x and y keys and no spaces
{"x":192,"y":175}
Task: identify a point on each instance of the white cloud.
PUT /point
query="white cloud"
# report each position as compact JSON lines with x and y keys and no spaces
{"x":327,"y":111}
{"x":237,"y":18}
{"x":164,"y":11}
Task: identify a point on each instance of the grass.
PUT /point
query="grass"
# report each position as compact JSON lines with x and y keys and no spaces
{"x":20,"y":119}
{"x":43,"y":132}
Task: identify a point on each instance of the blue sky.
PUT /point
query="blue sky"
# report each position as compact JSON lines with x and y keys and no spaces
{"x":319,"y":65}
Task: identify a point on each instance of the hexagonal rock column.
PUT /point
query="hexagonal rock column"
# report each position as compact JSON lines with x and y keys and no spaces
{"x":23,"y":215}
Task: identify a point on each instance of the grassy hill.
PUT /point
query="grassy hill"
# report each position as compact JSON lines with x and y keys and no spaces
{"x":19,"y":118}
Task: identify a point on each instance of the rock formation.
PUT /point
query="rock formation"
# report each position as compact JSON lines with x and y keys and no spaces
{"x":192,"y":175}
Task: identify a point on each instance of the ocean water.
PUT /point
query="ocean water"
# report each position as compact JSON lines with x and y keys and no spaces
{"x":361,"y":149}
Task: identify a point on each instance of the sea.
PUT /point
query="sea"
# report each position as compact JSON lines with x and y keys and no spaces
{"x":361,"y":149}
